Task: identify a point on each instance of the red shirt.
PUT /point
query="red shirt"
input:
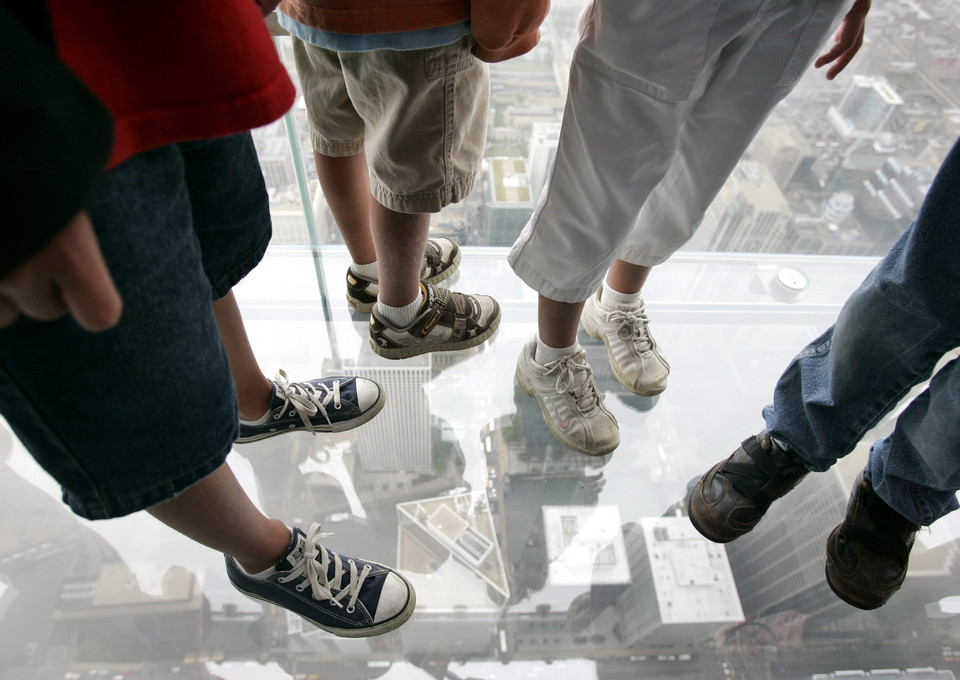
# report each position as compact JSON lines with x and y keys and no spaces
{"x":173,"y":70}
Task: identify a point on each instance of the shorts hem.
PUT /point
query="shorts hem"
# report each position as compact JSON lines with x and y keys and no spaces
{"x":224,"y":283}
{"x":547,"y":288}
{"x":641,"y":258}
{"x":119,"y":506}
{"x":424,"y":202}
{"x":335,"y":149}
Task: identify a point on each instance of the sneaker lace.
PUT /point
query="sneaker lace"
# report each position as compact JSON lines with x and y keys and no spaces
{"x":632,"y":327}
{"x":306,"y":399}
{"x":574,"y":377}
{"x":314,"y":572}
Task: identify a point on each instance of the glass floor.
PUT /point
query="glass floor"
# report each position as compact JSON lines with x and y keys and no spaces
{"x":530,"y":560}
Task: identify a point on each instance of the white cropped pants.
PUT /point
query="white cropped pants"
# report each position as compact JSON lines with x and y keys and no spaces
{"x":664,"y":97}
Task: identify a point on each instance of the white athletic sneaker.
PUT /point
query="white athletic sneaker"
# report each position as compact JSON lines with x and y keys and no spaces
{"x":572,"y":406}
{"x":634,"y":355}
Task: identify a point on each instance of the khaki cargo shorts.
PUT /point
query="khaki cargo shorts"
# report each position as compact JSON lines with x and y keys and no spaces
{"x":420,"y":116}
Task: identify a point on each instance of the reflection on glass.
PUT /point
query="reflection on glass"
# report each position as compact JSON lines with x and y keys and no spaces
{"x":531,"y":560}
{"x":524,"y":553}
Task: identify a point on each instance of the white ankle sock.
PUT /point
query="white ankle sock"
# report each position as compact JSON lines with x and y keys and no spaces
{"x":259,"y":421}
{"x":367,"y":271}
{"x":401,"y":316}
{"x":611,"y":298}
{"x":264,"y":574}
{"x":546,"y":354}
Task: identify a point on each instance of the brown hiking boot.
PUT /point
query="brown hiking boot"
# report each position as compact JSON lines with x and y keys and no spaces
{"x":731,"y":498}
{"x":867,"y":553}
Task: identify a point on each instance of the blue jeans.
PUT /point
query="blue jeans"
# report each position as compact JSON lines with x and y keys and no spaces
{"x":888,"y":338}
{"x":129,"y":418}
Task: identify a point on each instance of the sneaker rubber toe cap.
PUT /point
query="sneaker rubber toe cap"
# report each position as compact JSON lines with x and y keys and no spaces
{"x":396,"y":598}
{"x":369,"y":394}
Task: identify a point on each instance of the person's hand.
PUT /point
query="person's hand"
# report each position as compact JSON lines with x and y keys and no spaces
{"x":68,"y":275}
{"x":267,"y":6}
{"x":847,"y":41}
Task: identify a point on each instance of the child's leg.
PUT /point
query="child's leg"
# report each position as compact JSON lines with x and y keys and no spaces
{"x":254,"y":390}
{"x":217,"y":513}
{"x":628,"y":278}
{"x":345,"y":182}
{"x":265,"y":408}
{"x":401,"y":239}
{"x":557,"y":322}
{"x":232,"y":242}
{"x":553,"y":369}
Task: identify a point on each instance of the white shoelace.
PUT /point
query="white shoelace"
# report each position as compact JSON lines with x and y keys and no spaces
{"x":314,"y":572}
{"x":306,"y":399}
{"x":573,"y":376}
{"x":633,"y":327}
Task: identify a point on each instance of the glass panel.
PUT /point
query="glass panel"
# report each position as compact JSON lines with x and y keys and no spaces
{"x":529,"y":560}
{"x":839,"y":168}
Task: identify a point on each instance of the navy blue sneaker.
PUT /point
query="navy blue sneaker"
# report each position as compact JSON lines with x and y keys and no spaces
{"x":346,"y":596}
{"x":323,"y":405}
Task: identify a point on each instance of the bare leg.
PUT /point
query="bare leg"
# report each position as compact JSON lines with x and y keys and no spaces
{"x":217,"y":513}
{"x":558,"y":321}
{"x":345,"y":181}
{"x":254,"y":390}
{"x":628,"y":278}
{"x":401,"y":239}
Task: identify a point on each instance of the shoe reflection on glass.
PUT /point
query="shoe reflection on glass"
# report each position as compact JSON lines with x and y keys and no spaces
{"x":634,"y":402}
{"x":325,"y":471}
{"x":591,"y":483}
{"x":292,"y":482}
{"x":607,"y":381}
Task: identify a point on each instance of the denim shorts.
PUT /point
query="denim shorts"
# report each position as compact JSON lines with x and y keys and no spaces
{"x":131,"y":417}
{"x":420,"y":115}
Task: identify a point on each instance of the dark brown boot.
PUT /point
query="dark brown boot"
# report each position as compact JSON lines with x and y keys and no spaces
{"x":731,"y":498}
{"x":867,"y":554}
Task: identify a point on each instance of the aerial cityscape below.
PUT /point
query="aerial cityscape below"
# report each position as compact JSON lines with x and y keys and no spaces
{"x":532,"y":561}
{"x":840,"y":167}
